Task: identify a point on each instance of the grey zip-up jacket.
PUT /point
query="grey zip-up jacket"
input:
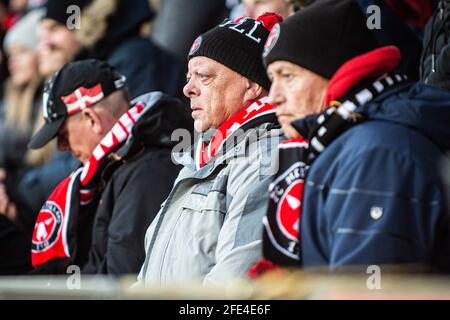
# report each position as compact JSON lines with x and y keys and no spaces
{"x":210,"y":226}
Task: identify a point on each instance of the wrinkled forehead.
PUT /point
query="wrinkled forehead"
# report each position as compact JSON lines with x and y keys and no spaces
{"x":202,"y":62}
{"x":282,"y":66}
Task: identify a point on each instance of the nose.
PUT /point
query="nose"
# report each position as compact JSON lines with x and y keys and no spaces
{"x":190,"y":89}
{"x":276,"y":96}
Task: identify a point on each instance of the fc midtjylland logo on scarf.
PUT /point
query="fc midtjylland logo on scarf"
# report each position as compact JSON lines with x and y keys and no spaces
{"x":282,"y":222}
{"x":50,"y":232}
{"x":47,"y":227}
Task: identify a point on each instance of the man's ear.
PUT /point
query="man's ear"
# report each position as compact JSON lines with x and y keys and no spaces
{"x":253,"y":91}
{"x":92,"y":120}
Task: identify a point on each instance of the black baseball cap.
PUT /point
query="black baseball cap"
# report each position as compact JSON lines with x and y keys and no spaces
{"x":76,"y":86}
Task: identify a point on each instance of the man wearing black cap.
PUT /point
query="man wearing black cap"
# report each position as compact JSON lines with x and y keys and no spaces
{"x":366,"y":188}
{"x":209,"y":227}
{"x":122,"y":148}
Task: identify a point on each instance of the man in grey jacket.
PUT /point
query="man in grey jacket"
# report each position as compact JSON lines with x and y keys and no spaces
{"x":209,"y":228}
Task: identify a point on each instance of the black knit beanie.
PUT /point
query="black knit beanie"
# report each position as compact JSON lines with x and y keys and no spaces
{"x":238,"y":45}
{"x":321,"y":37}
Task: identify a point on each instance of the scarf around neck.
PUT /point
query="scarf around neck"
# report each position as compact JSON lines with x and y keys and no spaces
{"x":245,"y":118}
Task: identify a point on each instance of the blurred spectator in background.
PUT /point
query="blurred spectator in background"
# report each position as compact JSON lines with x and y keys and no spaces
{"x":15,"y":10}
{"x":22,"y":95}
{"x":255,"y":8}
{"x":21,"y":196}
{"x":18,"y":6}
{"x":435,"y":60}
{"x":402,"y":23}
{"x":179,"y":22}
{"x":4,"y":12}
{"x":110,"y":30}
{"x":21,"y":104}
{"x":33,"y":4}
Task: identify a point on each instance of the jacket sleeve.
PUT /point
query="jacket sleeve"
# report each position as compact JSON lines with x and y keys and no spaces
{"x":239,"y":243}
{"x":381,"y":207}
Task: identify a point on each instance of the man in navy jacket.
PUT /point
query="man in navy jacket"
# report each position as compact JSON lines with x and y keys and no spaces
{"x":373,"y":194}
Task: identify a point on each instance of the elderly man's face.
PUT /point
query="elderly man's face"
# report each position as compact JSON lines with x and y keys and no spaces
{"x":77,"y":137}
{"x":296,"y":92}
{"x":216,"y":92}
{"x":83,"y":131}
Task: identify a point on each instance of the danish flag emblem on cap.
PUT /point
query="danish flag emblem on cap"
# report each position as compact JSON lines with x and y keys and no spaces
{"x":82,"y":98}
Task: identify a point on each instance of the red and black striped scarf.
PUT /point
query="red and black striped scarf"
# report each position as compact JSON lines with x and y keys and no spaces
{"x":55,"y":229}
{"x":244,"y":118}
